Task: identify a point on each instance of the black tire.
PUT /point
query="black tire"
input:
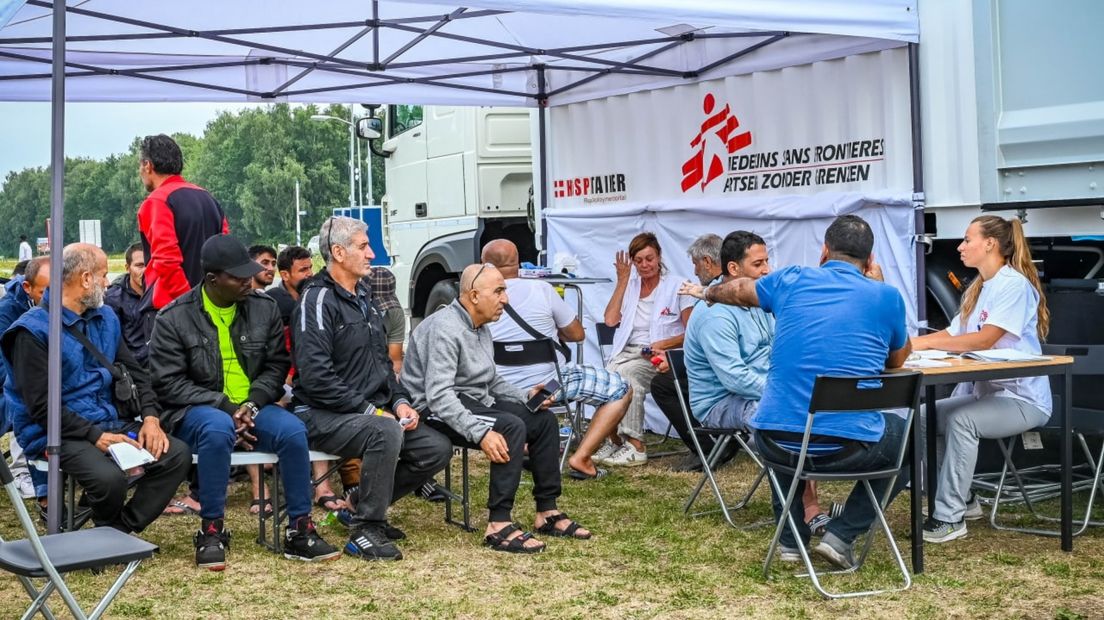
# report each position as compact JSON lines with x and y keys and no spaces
{"x":441,"y":295}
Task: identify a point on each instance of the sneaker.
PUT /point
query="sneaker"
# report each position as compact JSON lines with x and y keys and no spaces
{"x":393,"y":532}
{"x":973,"y":509}
{"x":627,"y":456}
{"x":936,"y":531}
{"x":304,"y":543}
{"x":371,"y":543}
{"x":604,"y":452}
{"x":26,"y":487}
{"x":789,"y":554}
{"x":211,"y":543}
{"x":431,"y":493}
{"x":837,"y":552}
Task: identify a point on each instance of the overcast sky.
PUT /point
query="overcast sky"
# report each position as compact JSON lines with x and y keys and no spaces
{"x":93,"y":129}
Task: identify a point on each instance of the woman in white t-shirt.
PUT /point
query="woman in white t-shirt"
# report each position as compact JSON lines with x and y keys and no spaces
{"x":1003,"y":308}
{"x":652,"y":315}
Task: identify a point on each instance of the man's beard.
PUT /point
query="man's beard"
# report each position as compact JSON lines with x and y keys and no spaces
{"x":94,"y":298}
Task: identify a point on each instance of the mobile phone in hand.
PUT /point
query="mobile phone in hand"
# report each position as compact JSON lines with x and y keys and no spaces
{"x":538,"y":399}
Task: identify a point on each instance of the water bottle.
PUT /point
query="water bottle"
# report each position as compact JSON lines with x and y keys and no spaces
{"x":565,"y":437}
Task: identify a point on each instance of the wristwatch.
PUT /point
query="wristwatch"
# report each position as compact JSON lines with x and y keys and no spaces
{"x":253,"y":410}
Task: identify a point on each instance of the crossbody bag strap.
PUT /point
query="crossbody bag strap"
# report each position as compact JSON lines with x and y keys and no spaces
{"x":96,"y":353}
{"x":561,"y":347}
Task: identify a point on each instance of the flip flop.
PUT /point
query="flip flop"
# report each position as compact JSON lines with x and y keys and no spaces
{"x":328,"y":499}
{"x":257,"y":503}
{"x":598,"y":474}
{"x":177,"y":508}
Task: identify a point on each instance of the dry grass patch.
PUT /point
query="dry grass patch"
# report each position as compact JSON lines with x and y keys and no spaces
{"x":646,"y":561}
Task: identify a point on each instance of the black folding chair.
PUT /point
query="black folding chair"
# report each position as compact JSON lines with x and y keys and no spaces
{"x":1036,"y":484}
{"x":543,"y":351}
{"x":832,"y":395}
{"x":50,"y":557}
{"x":676,"y":359}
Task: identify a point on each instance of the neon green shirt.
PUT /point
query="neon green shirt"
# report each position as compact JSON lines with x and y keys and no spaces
{"x":235,"y":382}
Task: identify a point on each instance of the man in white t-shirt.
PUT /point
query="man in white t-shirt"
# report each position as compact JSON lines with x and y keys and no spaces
{"x":25,"y":251}
{"x":539,"y":306}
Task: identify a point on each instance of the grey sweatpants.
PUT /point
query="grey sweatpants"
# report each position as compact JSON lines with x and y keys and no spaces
{"x":962,"y":421}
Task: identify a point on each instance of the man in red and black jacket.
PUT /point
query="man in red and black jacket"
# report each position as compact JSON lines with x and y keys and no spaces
{"x":174,"y":220}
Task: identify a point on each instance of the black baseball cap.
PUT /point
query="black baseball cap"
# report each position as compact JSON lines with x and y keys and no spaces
{"x":227,"y":253}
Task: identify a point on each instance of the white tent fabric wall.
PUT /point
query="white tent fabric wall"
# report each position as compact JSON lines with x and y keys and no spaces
{"x":328,"y":50}
{"x":594,"y":235}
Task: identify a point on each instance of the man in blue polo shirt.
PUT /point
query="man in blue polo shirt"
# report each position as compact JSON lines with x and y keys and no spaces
{"x":838,"y":319}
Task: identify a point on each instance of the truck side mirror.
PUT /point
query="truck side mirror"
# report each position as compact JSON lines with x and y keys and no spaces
{"x":369,"y":128}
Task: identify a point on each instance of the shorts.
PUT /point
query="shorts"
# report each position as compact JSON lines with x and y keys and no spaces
{"x":591,"y":385}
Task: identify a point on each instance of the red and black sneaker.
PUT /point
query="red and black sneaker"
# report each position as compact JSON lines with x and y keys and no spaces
{"x":211,"y":543}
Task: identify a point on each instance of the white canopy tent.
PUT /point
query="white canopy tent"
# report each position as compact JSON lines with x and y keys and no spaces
{"x":518,"y":53}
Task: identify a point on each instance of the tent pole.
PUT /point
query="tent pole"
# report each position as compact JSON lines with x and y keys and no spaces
{"x":918,"y":182}
{"x":542,"y":149}
{"x":56,"y":241}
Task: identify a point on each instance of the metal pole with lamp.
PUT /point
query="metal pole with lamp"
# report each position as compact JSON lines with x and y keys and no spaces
{"x":352,"y":154}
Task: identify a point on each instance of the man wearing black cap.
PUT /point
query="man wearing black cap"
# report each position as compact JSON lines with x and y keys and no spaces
{"x":219,"y":364}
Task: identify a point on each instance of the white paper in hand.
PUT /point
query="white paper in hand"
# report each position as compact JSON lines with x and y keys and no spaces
{"x":128,"y":457}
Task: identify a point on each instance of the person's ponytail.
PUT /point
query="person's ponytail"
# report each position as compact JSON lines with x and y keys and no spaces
{"x":1020,"y":260}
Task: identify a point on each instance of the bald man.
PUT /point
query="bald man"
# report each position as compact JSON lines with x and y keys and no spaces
{"x":91,"y":421}
{"x":538,"y":308}
{"x":449,"y":370}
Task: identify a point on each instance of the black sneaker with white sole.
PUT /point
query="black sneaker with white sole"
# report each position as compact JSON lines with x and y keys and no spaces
{"x":211,"y":542}
{"x":371,"y":543}
{"x":304,"y":543}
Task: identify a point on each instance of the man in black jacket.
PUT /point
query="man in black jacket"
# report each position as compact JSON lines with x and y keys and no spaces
{"x":348,"y":395}
{"x":219,"y":364}
{"x":124,"y":296}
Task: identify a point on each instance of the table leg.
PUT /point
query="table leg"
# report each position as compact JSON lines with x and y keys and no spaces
{"x":1067,"y":449}
{"x":915,"y":498}
{"x":931,"y":435}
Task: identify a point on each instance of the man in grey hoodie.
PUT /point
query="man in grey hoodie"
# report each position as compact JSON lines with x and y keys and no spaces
{"x":450,"y":372}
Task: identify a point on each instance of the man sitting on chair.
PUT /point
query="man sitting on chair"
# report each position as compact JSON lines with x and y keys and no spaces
{"x":543,"y":311}
{"x":91,"y":420}
{"x":838,"y":319}
{"x":219,"y":363}
{"x":348,"y":395}
{"x":449,"y":368}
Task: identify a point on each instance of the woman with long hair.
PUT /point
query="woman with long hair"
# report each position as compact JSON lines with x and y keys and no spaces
{"x":652,"y":317}
{"x":1003,"y":308}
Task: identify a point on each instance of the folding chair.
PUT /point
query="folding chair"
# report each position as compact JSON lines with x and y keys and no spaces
{"x":528,"y":353}
{"x":845,"y":394}
{"x":1036,"y":484}
{"x":261,"y":459}
{"x":676,"y":359}
{"x":49,"y":557}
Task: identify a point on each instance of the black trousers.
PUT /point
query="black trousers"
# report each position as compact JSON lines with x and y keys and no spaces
{"x":105,"y":485}
{"x":663,"y":391}
{"x":520,"y":427}
{"x":393,"y":462}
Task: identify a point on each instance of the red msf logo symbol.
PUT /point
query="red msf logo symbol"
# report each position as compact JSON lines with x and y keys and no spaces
{"x":723,"y":124}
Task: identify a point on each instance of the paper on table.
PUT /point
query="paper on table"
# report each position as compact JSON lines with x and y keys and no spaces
{"x":931,"y":354}
{"x":1004,"y":355}
{"x":127,"y":456}
{"x":926,"y":363}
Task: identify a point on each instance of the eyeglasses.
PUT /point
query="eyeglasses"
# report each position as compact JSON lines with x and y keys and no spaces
{"x":479,"y":273}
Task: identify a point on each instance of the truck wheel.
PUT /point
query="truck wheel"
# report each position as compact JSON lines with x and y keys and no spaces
{"x":441,"y":295}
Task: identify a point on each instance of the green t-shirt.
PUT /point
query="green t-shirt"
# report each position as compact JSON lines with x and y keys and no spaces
{"x":235,"y":382}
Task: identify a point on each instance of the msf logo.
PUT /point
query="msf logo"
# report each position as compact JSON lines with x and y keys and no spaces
{"x":722,"y":124}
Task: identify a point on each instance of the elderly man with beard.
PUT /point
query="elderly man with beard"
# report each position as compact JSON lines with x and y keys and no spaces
{"x":90,"y":421}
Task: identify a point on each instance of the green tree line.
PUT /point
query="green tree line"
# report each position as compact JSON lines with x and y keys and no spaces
{"x":249,"y":160}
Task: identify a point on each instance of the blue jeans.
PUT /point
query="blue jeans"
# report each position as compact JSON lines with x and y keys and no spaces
{"x":858,"y":513}
{"x":210,"y":434}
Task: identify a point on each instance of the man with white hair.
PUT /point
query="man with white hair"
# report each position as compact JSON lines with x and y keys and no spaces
{"x":91,"y":422}
{"x":347,"y":394}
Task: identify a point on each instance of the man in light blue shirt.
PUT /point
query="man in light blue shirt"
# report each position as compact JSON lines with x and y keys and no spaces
{"x":728,"y":347}
{"x":838,"y":319}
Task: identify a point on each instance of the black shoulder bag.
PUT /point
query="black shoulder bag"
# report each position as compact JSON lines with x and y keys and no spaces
{"x":126,"y":393}
{"x":564,"y":350}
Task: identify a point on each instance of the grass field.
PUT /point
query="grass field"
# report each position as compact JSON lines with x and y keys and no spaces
{"x":646,"y":560}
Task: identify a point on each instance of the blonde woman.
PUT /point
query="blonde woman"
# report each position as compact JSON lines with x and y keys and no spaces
{"x":652,"y":317}
{"x":1004,"y":307}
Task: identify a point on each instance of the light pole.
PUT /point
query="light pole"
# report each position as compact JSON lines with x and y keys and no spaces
{"x":352,"y":153}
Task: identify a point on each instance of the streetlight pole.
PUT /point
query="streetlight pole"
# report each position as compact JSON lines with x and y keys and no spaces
{"x":352,"y":149}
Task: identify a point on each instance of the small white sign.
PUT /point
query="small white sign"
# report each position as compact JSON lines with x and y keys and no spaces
{"x":90,"y":232}
{"x":1032,"y":441}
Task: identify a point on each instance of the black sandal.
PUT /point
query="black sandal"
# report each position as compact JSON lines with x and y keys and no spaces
{"x":571,"y":531}
{"x":326,"y":499}
{"x":265,"y":504}
{"x":500,"y":541}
